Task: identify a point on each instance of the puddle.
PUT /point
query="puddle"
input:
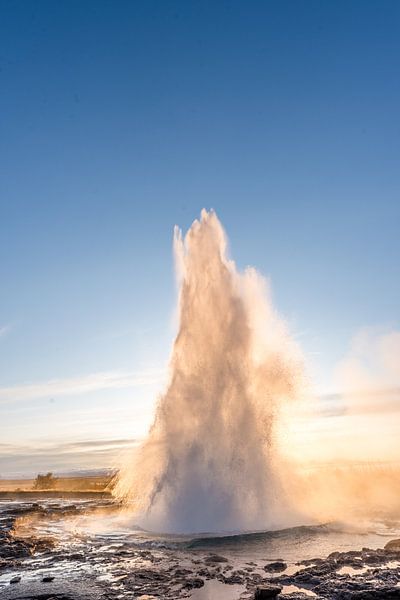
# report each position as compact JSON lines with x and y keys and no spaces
{"x":352,"y":571}
{"x":393,"y":564}
{"x":292,"y":569}
{"x":213,"y":590}
{"x":347,"y":570}
{"x":293,"y":589}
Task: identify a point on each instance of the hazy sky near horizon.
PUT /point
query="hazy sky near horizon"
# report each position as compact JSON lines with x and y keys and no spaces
{"x":120,"y":120}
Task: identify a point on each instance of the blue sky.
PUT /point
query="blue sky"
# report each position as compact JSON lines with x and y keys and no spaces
{"x":120,"y":120}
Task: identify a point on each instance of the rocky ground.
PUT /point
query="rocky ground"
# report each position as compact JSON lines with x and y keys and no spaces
{"x":40,"y":567}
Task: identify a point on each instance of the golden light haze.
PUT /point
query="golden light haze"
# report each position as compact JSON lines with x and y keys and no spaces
{"x":240,"y":439}
{"x":361,"y":424}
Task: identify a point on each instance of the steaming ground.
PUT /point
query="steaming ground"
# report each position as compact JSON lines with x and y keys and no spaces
{"x":211,"y":461}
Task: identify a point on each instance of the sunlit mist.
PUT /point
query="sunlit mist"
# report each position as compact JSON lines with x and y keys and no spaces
{"x":240,"y":440}
{"x":211,"y":460}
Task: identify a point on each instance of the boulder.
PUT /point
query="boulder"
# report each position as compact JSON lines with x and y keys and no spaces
{"x":215,"y":558}
{"x":393,"y":546}
{"x":277,"y":566}
{"x":267,"y":591}
{"x":193,"y":583}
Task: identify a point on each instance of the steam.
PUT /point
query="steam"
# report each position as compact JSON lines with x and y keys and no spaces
{"x":372,"y":363}
{"x":369,"y":377}
{"x":353,"y":447}
{"x":211,"y":461}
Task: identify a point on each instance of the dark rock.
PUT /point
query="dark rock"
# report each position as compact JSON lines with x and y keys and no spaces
{"x":71,"y":556}
{"x":385,"y":593}
{"x":193,"y":583}
{"x":267,"y":591}
{"x":393,"y":546}
{"x":48,"y":578}
{"x":147,"y":575}
{"x":234,"y":578}
{"x":215,"y":558}
{"x":255,"y":578}
{"x":66,"y":591}
{"x":276,"y":567}
{"x":182,"y":572}
{"x":204,"y":573}
{"x":15,"y":579}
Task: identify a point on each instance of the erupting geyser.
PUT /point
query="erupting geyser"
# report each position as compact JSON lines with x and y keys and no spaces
{"x":211,"y":461}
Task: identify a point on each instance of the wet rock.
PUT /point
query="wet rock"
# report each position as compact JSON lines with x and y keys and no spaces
{"x":205,"y":573}
{"x":41,"y":544}
{"x":212,"y":559}
{"x":123,"y":552}
{"x":255,"y":579}
{"x":193,"y":583}
{"x":182,"y":572}
{"x":146,"y":554}
{"x":267,"y":591}
{"x":234,"y":578}
{"x":303,"y":577}
{"x":70,"y":556}
{"x":393,"y":546}
{"x":276,"y":567}
{"x":48,"y":578}
{"x":15,"y":579}
{"x":384,"y":593}
{"x":65,"y":591}
{"x":5,"y":563}
{"x":357,"y":563}
{"x":144,"y":575}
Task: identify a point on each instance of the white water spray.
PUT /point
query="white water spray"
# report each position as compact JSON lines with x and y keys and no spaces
{"x":210,"y":462}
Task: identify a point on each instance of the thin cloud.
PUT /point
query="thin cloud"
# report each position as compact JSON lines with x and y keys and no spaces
{"x":4,"y":329}
{"x":30,"y":459}
{"x":88,"y":446}
{"x":79,"y":385}
{"x":379,"y":400}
